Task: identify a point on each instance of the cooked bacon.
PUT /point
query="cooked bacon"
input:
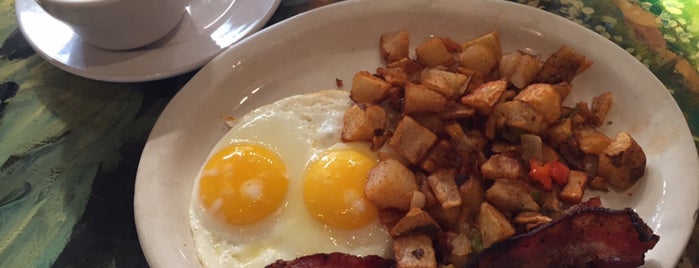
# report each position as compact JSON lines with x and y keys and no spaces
{"x":586,"y":237}
{"x":334,"y":260}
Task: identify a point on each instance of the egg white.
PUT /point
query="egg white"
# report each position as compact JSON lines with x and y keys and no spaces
{"x":297,"y":128}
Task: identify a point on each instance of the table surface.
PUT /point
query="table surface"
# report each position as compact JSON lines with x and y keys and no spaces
{"x":77,"y":142}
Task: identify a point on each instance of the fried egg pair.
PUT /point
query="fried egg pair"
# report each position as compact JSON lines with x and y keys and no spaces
{"x":281,"y":185}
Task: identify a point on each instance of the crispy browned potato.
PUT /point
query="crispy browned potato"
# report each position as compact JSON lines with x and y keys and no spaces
{"x":390,"y":216}
{"x":433,"y":53}
{"x":446,"y":217}
{"x":472,"y":196}
{"x":514,"y":114}
{"x":563,"y":89}
{"x":481,"y":54}
{"x":600,"y":107}
{"x":361,"y":124}
{"x":544,"y":99}
{"x":387,"y":152}
{"x":503,"y":166}
{"x":623,"y":162}
{"x":562,"y":66}
{"x":448,"y":83}
{"x":396,"y":76}
{"x":519,"y":68}
{"x":484,"y":98}
{"x":511,"y":195}
{"x":444,"y":187}
{"x":414,"y":252}
{"x":494,"y":226}
{"x":441,"y":156}
{"x":412,"y":140}
{"x":490,"y":40}
{"x":574,"y":189}
{"x":390,"y":185}
{"x":419,"y":98}
{"x":465,"y":144}
{"x":367,"y":88}
{"x":416,"y":220}
{"x":591,"y":141}
{"x":410,"y":66}
{"x":395,"y":46}
{"x":559,"y":132}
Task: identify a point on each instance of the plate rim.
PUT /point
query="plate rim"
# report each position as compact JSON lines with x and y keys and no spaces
{"x":209,"y":69}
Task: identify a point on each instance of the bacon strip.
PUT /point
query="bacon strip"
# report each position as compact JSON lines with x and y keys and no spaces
{"x":334,"y":260}
{"x":586,"y":237}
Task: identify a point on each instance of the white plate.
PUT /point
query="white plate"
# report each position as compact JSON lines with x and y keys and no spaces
{"x":310,"y":51}
{"x":207,"y":28}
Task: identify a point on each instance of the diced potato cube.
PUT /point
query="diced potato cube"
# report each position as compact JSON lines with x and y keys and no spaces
{"x":490,"y":40}
{"x":494,"y":226}
{"x":390,"y":216}
{"x":472,"y":196}
{"x":390,"y":185}
{"x":574,"y":189}
{"x":563,"y":89}
{"x":503,"y":166}
{"x":515,"y":114}
{"x":511,"y":195}
{"x":395,"y":46}
{"x":361,"y":124}
{"x":591,"y":141}
{"x":484,"y":98}
{"x":559,"y":132}
{"x":412,"y":140}
{"x":519,"y":68}
{"x":441,"y":156}
{"x":414,"y":252}
{"x":395,"y":76}
{"x":465,"y":144}
{"x":446,"y":217}
{"x":419,"y":98}
{"x":445,"y":82}
{"x":433,"y":53}
{"x":623,"y":162}
{"x":387,"y":152}
{"x":479,"y":58}
{"x":544,"y":99}
{"x":367,"y":88}
{"x":410,"y":66}
{"x":444,"y":187}
{"x":600,"y":107}
{"x":415,"y":220}
{"x":562,"y":66}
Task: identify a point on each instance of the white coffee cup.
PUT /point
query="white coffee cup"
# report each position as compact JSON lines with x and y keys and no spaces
{"x":117,"y":24}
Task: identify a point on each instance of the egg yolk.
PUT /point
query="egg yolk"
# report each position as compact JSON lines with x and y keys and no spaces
{"x":243,"y":183}
{"x":333,"y":189}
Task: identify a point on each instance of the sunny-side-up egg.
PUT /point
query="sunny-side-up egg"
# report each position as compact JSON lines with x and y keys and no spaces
{"x":281,"y":184}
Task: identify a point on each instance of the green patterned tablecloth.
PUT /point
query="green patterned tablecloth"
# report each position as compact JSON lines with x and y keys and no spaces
{"x":77,"y":142}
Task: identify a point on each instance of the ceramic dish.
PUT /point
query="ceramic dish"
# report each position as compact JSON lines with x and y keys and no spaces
{"x":310,"y":51}
{"x":207,"y":28}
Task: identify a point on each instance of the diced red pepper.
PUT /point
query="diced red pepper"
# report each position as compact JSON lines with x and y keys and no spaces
{"x":559,"y":172}
{"x":540,"y":174}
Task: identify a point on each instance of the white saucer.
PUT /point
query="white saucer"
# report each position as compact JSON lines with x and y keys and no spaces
{"x":208,"y":27}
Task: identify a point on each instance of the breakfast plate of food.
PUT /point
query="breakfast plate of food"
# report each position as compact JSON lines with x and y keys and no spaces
{"x":423,"y":133}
